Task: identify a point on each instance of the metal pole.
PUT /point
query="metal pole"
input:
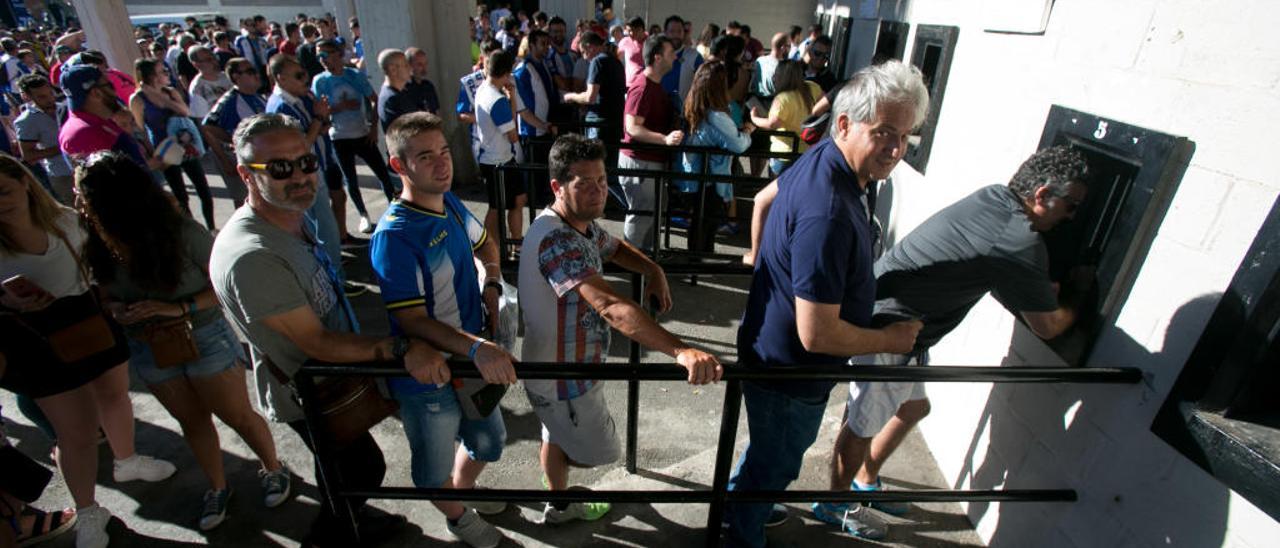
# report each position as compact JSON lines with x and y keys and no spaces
{"x":724,"y":456}
{"x":633,"y":385}
{"x":326,"y":464}
{"x":500,"y":205}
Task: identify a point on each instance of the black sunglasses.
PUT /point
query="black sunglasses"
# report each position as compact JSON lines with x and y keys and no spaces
{"x":283,"y":169}
{"x":819,"y":53}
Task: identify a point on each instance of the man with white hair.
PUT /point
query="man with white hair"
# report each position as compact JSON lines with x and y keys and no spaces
{"x":813,"y":289}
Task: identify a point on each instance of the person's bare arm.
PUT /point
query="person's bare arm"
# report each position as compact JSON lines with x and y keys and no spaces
{"x":656,"y":288}
{"x":760,"y":213}
{"x":1048,"y":325}
{"x":176,"y":104}
{"x":31,"y":154}
{"x":634,"y":126}
{"x":137,"y":108}
{"x":585,"y":97}
{"x":629,"y":319}
{"x":493,"y":362}
{"x":821,"y":106}
{"x":304,"y":330}
{"x":822,"y":331}
{"x":467,"y":118}
{"x":769,"y":121}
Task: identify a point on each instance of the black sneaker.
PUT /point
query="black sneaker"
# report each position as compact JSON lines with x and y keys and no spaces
{"x":215,"y":508}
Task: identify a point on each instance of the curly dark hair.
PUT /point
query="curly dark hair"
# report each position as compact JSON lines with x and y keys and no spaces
{"x":134,"y":223}
{"x":570,"y":148}
{"x":1054,"y":167}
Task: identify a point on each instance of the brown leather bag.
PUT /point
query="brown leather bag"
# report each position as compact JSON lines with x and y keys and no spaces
{"x":86,"y":336}
{"x":171,"y":341}
{"x":349,"y":406}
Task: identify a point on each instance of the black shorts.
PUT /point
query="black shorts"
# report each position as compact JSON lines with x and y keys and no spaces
{"x":512,"y":185}
{"x":33,"y":370}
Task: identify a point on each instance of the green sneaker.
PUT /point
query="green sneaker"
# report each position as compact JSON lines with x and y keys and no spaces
{"x":584,"y":511}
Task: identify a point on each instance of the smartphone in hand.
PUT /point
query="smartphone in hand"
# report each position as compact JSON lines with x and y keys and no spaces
{"x":22,"y":287}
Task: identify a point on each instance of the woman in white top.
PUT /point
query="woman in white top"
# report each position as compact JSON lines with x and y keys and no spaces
{"x":40,"y":241}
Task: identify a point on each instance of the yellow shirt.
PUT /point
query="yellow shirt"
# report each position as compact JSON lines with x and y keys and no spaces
{"x":788,"y":107}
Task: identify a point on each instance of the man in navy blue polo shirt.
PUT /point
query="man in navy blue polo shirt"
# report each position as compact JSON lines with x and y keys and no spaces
{"x":813,"y":289}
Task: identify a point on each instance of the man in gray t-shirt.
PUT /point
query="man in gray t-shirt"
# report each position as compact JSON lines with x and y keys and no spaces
{"x":988,"y":241}
{"x":279,"y":286}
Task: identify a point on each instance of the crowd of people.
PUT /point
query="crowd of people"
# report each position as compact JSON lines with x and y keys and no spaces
{"x":98,"y":246}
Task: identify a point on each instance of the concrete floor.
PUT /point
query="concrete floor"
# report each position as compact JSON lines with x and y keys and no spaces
{"x":678,"y":430}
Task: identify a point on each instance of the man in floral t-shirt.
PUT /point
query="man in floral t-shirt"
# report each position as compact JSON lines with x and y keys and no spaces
{"x":568,"y":310}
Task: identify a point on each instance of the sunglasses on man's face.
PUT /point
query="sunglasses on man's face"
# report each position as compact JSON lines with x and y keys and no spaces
{"x":281,"y":169}
{"x":820,"y":54}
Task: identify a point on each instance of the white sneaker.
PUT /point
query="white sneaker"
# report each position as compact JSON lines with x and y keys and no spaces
{"x":365,"y":226}
{"x":475,"y":531}
{"x":91,"y":527}
{"x":486,"y":507}
{"x":142,"y":467}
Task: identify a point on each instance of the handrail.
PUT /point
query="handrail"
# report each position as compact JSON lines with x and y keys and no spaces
{"x":718,"y":495}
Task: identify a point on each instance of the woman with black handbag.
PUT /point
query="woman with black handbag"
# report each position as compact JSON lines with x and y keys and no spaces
{"x":62,"y":349}
{"x":153,"y":263}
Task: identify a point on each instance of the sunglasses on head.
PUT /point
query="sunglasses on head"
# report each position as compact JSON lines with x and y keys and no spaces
{"x":281,"y":169}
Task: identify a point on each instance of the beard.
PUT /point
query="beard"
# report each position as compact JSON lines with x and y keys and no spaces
{"x":296,"y":197}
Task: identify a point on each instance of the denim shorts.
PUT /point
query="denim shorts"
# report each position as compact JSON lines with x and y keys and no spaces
{"x":433,"y":421}
{"x":219,"y":348}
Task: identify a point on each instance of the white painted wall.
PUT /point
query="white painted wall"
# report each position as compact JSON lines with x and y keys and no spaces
{"x":765,"y":16}
{"x":1206,"y":71}
{"x":274,"y":11}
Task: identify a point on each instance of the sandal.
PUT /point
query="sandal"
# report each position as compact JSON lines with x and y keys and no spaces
{"x":45,"y":525}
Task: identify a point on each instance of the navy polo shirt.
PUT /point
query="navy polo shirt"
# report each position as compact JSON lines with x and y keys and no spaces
{"x":816,"y":245}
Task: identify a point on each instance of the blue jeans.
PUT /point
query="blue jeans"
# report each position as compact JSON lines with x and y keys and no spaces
{"x":785,"y":426}
{"x":432,"y":421}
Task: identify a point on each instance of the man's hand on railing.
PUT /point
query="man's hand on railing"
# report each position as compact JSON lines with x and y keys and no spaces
{"x":425,"y":364}
{"x":495,"y":364}
{"x":703,"y":367}
{"x":657,"y":291}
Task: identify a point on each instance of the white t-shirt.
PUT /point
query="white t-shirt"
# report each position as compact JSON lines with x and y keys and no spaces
{"x":559,"y":325}
{"x":205,"y":93}
{"x":494,"y":118}
{"x":55,"y":270}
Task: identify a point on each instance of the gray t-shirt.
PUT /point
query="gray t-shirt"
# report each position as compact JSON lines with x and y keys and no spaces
{"x":981,"y":243}
{"x":258,"y":271}
{"x":196,"y":245}
{"x":40,"y":127}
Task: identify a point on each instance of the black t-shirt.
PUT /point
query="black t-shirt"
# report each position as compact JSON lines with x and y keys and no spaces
{"x":223,"y":56}
{"x":308,"y":59}
{"x":981,"y":243}
{"x":607,"y":72}
{"x":825,"y":80}
{"x":393,"y":103}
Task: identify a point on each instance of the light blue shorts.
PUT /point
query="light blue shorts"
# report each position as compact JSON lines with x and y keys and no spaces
{"x":433,"y":421}
{"x":219,"y":348}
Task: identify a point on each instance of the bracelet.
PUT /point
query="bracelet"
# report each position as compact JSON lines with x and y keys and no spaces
{"x":475,"y":346}
{"x":191,"y":307}
{"x":494,"y":284}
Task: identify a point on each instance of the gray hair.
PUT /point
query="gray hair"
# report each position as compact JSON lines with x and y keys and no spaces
{"x":185,"y":39}
{"x":891,"y":82}
{"x":194,"y":51}
{"x":387,"y":55}
{"x":256,"y":126}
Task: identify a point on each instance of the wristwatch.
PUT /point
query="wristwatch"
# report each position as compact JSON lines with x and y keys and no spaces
{"x":400,"y":347}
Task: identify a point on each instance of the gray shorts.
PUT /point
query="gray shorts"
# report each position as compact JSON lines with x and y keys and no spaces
{"x":582,"y":426}
{"x":872,"y":404}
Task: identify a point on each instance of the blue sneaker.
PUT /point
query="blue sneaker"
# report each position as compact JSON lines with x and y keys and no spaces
{"x":857,"y":520}
{"x":891,"y":508}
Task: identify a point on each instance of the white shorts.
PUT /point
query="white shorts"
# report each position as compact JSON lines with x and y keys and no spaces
{"x":582,"y":426}
{"x":872,"y":404}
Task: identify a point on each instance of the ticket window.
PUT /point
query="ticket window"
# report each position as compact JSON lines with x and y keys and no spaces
{"x":932,"y":51}
{"x":1134,"y":173}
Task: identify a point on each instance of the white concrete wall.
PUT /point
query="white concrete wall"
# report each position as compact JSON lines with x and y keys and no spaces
{"x":1203,"y":70}
{"x":235,"y":10}
{"x":765,"y":16}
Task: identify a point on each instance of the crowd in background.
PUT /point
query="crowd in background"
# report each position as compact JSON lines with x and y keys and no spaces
{"x":94,"y":176}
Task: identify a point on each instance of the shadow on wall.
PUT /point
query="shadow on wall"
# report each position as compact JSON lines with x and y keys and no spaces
{"x":1095,"y":439}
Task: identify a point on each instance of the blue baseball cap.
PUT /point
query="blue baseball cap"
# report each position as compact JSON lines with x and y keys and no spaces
{"x":76,"y":81}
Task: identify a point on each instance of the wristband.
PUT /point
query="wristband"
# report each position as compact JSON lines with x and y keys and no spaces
{"x":475,"y":346}
{"x":191,"y":307}
{"x":494,"y":284}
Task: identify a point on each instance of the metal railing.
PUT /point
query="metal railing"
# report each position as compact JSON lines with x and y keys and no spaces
{"x":718,"y":495}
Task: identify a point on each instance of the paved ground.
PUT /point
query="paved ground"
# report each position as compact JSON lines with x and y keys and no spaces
{"x":678,"y":430}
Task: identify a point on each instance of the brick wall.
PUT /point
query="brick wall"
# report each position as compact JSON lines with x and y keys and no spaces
{"x":1190,"y":68}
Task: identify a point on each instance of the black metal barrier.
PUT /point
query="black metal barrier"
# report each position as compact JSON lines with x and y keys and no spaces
{"x":718,"y":495}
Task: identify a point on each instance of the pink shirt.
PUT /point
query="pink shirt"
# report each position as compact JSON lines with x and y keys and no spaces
{"x":632,"y":55}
